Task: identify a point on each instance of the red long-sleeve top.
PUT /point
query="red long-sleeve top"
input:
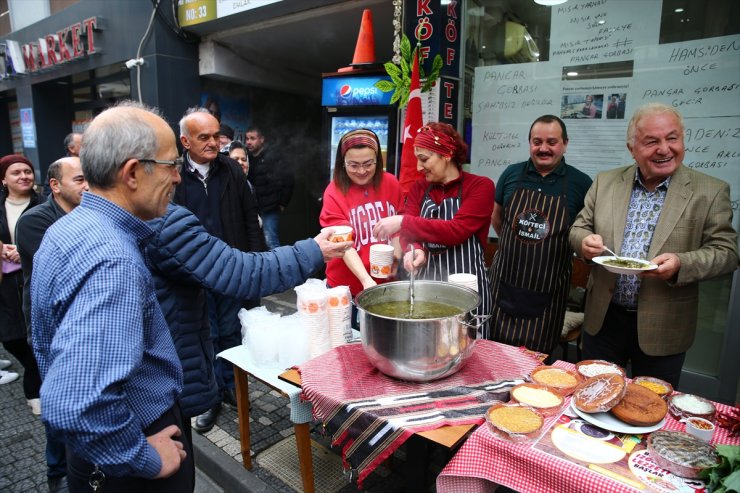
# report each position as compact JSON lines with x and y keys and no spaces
{"x":473,"y":217}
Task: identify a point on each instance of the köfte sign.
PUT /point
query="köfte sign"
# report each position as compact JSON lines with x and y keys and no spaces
{"x":71,"y":43}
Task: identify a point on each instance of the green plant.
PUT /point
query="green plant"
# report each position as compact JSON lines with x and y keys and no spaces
{"x":725,"y":476}
{"x":400,"y":74}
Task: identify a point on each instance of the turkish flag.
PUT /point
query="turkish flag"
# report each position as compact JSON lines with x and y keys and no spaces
{"x":408,"y":174}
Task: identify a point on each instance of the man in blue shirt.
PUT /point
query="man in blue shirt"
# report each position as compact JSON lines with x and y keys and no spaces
{"x":111,"y":374}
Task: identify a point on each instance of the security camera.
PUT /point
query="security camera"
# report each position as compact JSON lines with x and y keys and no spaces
{"x":134,"y":62}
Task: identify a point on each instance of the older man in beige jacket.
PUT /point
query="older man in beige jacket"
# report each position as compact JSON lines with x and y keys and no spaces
{"x":662,"y":211}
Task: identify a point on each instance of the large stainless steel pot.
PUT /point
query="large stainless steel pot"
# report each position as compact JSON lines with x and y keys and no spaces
{"x":419,"y":350}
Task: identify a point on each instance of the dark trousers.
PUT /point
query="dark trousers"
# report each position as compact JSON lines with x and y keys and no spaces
{"x":56,"y":458}
{"x":79,"y":470}
{"x":226,"y":333}
{"x":617,"y":342}
{"x":24,"y":354}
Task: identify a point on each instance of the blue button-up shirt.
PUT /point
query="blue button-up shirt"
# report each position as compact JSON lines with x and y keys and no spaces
{"x":642,"y":218}
{"x":107,"y":360}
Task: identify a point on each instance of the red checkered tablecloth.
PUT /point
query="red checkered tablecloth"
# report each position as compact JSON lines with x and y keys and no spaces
{"x":484,"y":461}
{"x":370,"y":414}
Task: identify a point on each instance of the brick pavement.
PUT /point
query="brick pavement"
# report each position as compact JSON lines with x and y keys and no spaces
{"x":22,"y":440}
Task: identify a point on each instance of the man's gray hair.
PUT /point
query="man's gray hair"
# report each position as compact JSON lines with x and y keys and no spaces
{"x":113,"y":141}
{"x":184,"y":119}
{"x":647,"y":110}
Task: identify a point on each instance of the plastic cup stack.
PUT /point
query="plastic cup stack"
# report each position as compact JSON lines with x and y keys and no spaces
{"x":312,"y":304}
{"x":340,"y":312}
{"x":381,"y":260}
{"x":259,"y":335}
{"x":467,"y":280}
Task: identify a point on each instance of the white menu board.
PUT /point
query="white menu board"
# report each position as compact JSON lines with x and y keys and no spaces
{"x":701,"y":78}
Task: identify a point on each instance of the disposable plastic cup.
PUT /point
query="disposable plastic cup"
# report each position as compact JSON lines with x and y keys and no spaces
{"x":381,"y":260}
{"x":341,"y":233}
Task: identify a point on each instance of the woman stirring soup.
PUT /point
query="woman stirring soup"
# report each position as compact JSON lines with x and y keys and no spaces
{"x":447,"y":213}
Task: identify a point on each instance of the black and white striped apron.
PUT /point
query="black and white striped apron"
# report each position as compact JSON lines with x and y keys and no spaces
{"x":531,"y":270}
{"x":467,"y":257}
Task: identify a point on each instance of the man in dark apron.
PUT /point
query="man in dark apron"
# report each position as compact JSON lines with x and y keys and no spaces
{"x":536,"y":202}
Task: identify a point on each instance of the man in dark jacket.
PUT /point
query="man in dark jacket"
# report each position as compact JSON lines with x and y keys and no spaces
{"x":272,"y":182}
{"x":67,"y":183}
{"x":185,"y":259}
{"x":215,"y":189}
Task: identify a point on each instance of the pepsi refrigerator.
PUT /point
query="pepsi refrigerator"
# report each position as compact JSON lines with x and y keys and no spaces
{"x":351,"y":101}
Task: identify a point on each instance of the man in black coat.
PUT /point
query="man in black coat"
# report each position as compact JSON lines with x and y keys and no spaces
{"x":67,"y":183}
{"x":215,"y":189}
{"x":273,"y":184}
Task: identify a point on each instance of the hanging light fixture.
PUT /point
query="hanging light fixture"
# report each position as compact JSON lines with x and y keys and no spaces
{"x":549,"y":3}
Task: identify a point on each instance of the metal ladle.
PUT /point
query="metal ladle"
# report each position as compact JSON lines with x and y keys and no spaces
{"x":411,"y":283}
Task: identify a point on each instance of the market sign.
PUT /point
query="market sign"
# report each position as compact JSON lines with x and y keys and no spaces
{"x":192,"y":12}
{"x":71,"y":43}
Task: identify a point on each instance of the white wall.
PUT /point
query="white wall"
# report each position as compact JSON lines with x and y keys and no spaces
{"x":25,"y":12}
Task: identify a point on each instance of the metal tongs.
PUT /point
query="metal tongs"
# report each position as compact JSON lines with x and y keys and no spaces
{"x":411,"y":282}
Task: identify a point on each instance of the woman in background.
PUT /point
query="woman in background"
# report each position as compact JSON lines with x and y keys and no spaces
{"x":447,"y":213}
{"x":17,"y":197}
{"x":360,"y":194}
{"x":238,"y":153}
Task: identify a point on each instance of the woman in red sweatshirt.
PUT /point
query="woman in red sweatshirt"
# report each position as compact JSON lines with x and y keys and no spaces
{"x":360,"y":195}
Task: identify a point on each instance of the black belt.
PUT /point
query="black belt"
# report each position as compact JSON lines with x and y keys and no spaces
{"x":623,"y":308}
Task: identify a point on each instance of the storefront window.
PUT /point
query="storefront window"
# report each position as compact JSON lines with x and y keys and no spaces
{"x":94,"y":90}
{"x":593,"y":62}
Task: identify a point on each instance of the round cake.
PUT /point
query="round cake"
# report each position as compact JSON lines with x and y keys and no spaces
{"x":600,"y":393}
{"x":546,"y":400}
{"x":514,"y":422}
{"x":640,"y":406}
{"x":564,"y":381}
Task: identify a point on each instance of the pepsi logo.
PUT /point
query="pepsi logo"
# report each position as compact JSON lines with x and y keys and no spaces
{"x":345,"y":91}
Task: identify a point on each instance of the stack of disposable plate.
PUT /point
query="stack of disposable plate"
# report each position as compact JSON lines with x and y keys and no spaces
{"x":467,"y":280}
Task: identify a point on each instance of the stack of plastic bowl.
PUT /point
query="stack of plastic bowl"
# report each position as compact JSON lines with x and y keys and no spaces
{"x":467,"y":280}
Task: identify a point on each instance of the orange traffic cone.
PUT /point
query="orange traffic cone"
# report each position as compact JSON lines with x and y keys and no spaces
{"x":365,"y":48}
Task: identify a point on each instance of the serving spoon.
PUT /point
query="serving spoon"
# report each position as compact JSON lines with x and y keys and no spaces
{"x":615,"y":255}
{"x":411,"y":283}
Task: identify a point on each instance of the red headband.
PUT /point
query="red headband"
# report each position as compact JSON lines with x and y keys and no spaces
{"x":359,"y":138}
{"x":438,"y":142}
